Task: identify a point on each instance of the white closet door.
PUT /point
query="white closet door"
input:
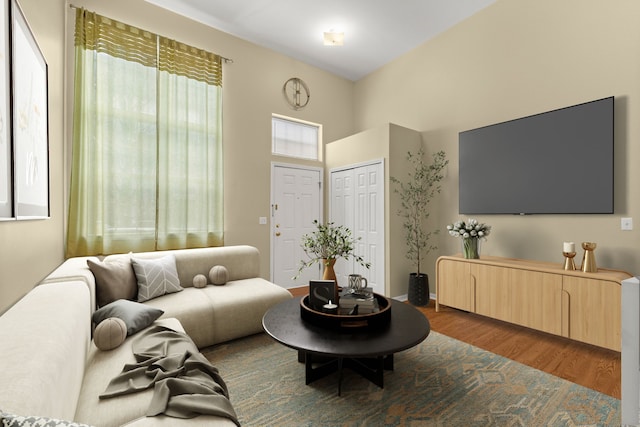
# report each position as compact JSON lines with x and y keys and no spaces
{"x":357,"y":201}
{"x":342,"y":201}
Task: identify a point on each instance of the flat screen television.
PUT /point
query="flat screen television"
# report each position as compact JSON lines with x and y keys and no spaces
{"x":558,"y":162}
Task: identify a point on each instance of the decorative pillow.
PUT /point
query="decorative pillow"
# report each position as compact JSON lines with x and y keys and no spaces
{"x":135,"y":315}
{"x":199,"y":281}
{"x":114,"y":280}
{"x":10,"y":420}
{"x":218,"y":275}
{"x":110,"y":333}
{"x":156,"y":277}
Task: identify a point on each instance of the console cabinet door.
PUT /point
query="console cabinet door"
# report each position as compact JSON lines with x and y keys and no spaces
{"x":591,"y":311}
{"x":492,"y":291}
{"x":454,"y":285}
{"x":536,"y":298}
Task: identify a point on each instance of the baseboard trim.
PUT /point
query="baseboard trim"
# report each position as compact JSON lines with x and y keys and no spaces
{"x":405,"y":297}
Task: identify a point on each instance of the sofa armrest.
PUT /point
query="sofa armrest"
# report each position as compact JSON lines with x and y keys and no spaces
{"x":75,"y":269}
{"x":45,"y":340}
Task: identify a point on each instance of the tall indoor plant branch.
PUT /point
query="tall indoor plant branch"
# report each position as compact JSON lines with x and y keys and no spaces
{"x":422,"y":184}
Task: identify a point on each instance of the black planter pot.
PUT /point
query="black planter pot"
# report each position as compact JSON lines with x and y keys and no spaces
{"x":419,"y":289}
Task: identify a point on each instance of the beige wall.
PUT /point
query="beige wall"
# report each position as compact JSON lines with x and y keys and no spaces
{"x":30,"y":249}
{"x":516,"y":58}
{"x":252,"y":92}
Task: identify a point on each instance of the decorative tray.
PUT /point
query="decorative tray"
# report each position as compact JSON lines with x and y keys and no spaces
{"x":374,"y":320}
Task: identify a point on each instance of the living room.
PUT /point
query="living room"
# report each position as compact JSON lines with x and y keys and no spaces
{"x":513,"y":59}
{"x":510,"y":60}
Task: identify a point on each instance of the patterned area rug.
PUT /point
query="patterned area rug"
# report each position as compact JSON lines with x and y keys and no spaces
{"x":441,"y":382}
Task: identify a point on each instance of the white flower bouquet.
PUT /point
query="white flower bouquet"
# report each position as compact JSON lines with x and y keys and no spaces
{"x":471,"y":232}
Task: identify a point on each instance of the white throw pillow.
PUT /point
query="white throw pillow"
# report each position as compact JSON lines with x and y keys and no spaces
{"x":156,"y":277}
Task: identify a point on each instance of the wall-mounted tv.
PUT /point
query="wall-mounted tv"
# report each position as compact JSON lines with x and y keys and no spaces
{"x":558,"y":162}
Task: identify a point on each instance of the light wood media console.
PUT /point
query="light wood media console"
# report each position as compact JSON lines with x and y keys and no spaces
{"x":539,"y":295}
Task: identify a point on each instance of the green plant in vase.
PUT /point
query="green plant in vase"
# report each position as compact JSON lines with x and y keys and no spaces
{"x":326,"y":244}
{"x":421,"y":186}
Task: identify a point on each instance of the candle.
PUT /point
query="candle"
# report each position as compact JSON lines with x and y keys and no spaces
{"x":569,"y":247}
{"x":330,"y":307}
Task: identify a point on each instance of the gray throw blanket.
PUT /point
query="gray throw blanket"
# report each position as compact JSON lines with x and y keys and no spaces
{"x":185,"y":383}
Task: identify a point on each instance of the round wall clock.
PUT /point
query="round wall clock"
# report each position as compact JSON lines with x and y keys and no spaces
{"x":296,"y":92}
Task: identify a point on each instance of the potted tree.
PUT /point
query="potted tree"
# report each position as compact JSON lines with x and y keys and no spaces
{"x":326,"y":244}
{"x":422,"y":184}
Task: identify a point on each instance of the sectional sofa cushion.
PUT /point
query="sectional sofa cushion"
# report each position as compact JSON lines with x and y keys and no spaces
{"x":114,"y":280}
{"x":156,"y":277}
{"x":101,"y":368}
{"x":193,"y":309}
{"x":135,"y":315}
{"x":238,"y":307}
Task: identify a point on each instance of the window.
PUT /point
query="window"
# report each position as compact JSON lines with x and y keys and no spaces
{"x":147,"y":147}
{"x":295,"y":138}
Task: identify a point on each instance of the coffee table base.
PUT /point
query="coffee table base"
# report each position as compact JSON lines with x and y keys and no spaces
{"x":371,"y":368}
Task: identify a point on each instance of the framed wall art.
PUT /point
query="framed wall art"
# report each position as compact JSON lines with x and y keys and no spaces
{"x":29,"y":88}
{"x":6,"y":167}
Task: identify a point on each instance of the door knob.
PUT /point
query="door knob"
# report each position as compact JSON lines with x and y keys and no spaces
{"x":277,"y":233}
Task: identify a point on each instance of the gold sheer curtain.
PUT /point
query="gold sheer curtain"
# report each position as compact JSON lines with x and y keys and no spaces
{"x":190,"y":147}
{"x":147,"y":147}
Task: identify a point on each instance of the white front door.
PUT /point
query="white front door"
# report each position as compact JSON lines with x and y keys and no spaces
{"x":357,"y":202}
{"x":296,"y":201}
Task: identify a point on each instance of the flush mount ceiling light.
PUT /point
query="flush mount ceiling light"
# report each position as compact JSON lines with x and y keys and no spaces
{"x":333,"y":38}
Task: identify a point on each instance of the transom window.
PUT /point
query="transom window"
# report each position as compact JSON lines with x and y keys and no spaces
{"x":295,"y":138}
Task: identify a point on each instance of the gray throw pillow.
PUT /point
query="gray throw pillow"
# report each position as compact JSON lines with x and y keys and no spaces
{"x":156,"y":277}
{"x":135,"y":315}
{"x":114,"y":280}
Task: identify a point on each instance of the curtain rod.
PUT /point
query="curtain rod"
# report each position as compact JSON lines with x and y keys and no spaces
{"x":226,"y":60}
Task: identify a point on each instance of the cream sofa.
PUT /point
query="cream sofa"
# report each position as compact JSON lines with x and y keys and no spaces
{"x":52,"y":368}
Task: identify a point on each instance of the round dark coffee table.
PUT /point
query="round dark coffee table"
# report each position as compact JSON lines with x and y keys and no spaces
{"x":325,"y":350}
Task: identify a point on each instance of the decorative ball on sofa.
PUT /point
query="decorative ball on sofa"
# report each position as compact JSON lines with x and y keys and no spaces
{"x":110,"y":333}
{"x":199,"y":281}
{"x":218,"y":275}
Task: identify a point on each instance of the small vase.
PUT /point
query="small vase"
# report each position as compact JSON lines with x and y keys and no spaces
{"x":330,"y":274}
{"x":589,"y":259}
{"x":471,"y":247}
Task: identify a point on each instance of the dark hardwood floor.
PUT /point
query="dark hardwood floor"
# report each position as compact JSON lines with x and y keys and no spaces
{"x":593,"y":367}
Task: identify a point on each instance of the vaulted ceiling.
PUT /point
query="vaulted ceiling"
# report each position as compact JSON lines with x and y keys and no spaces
{"x":375,"y":31}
